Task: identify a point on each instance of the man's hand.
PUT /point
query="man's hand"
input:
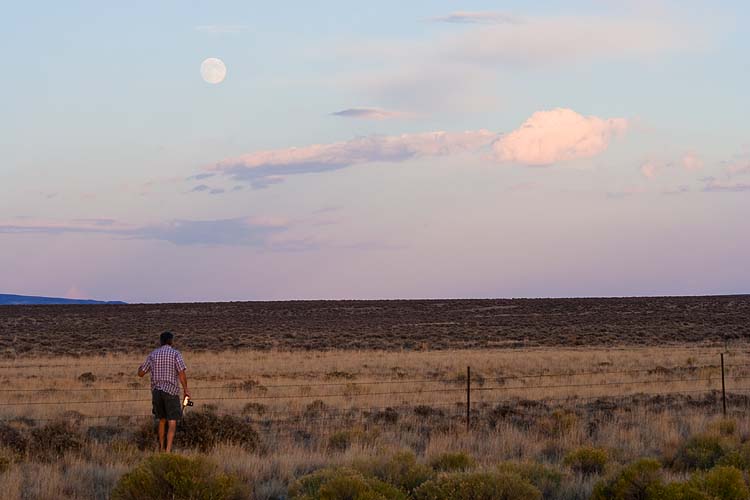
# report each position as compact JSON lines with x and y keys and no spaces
{"x":141,"y":372}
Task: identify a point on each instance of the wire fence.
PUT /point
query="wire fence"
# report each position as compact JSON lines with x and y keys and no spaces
{"x":707,"y":385}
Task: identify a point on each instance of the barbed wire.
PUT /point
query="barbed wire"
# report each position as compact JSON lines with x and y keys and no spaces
{"x":455,"y":380}
{"x":362,"y":413}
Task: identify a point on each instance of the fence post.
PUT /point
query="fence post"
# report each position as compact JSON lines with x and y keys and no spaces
{"x":723,"y":388}
{"x":468,"y":398}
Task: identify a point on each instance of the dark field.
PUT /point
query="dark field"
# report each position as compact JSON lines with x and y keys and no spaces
{"x":393,"y":325}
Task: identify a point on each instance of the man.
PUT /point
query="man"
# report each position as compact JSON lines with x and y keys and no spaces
{"x":167,"y":368}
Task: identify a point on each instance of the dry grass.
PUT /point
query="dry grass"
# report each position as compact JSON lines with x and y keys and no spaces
{"x":514,"y":418}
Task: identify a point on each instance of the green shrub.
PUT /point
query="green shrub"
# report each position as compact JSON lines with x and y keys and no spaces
{"x":6,"y":460}
{"x":702,"y":451}
{"x":557,"y":423}
{"x":342,"y":484}
{"x":721,"y":483}
{"x":587,"y":460}
{"x":204,"y":430}
{"x":724,"y":427}
{"x":677,"y":491}
{"x":478,"y":486}
{"x":548,"y":481}
{"x":340,"y":440}
{"x":53,"y":440}
{"x":640,"y":480}
{"x":739,"y":457}
{"x":453,"y":462}
{"x":177,"y":478}
{"x":400,"y":470}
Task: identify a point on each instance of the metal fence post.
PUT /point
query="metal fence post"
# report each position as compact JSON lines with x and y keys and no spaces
{"x":468,"y":398}
{"x":723,"y":387}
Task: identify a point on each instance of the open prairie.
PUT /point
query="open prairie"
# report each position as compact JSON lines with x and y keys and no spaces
{"x":381,"y":325}
{"x":552,"y":396}
{"x":73,"y":425}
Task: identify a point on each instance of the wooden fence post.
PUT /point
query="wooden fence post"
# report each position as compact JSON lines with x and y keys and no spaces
{"x":468,"y":398}
{"x":723,"y":387}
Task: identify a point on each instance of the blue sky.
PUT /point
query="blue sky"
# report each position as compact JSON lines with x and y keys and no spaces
{"x":374,"y":150}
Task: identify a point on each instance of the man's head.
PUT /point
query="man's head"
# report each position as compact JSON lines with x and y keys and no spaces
{"x":166,"y":338}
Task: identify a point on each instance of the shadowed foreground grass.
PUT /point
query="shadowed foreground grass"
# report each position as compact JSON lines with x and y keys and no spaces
{"x":317,"y":425}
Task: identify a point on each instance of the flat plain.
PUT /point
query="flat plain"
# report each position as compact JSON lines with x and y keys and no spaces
{"x":381,"y":325}
{"x":566,"y":396}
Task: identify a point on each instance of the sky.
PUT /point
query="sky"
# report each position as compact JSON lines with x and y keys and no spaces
{"x":366,"y":150}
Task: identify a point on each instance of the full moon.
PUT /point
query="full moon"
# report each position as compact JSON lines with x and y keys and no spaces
{"x":213,"y":70}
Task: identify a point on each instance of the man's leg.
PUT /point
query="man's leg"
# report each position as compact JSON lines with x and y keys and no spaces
{"x":162,"y":428}
{"x":170,"y":434}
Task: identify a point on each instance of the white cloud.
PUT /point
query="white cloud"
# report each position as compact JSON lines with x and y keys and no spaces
{"x":717,"y":186}
{"x":563,"y":40}
{"x":558,"y":135}
{"x":220,"y":29}
{"x":477,"y":17}
{"x":369,"y":113}
{"x":455,"y":69}
{"x":244,"y":231}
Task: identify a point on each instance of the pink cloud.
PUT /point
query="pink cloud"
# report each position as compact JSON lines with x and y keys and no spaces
{"x":558,"y":135}
{"x":546,"y":137}
{"x":739,"y":168}
{"x":74,"y":293}
{"x":255,"y":167}
{"x":691,"y":161}
{"x":649,"y":169}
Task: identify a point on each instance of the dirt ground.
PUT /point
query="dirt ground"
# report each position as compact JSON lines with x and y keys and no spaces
{"x":389,"y":325}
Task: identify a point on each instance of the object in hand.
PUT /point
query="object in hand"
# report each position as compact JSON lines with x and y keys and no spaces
{"x":187,"y":402}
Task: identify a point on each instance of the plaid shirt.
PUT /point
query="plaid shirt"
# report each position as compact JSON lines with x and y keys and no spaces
{"x":164,"y":364}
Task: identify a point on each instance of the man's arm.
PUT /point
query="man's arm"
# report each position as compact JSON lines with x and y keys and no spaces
{"x":145,"y":367}
{"x":183,"y":381}
{"x":181,"y":374}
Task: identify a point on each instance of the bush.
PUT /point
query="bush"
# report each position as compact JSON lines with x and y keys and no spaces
{"x":587,"y":460}
{"x":453,"y":462}
{"x":478,"y":486}
{"x":546,"y":480}
{"x":340,"y":440}
{"x":342,"y":484}
{"x":204,"y":430}
{"x":400,"y":470}
{"x":13,"y":439}
{"x":721,"y":483}
{"x":6,"y":460}
{"x":52,"y":441}
{"x":640,"y":480}
{"x":175,"y":477}
{"x":701,"y":452}
{"x":677,"y":491}
{"x":739,"y":457}
{"x":556,"y":424}
{"x":724,"y":427}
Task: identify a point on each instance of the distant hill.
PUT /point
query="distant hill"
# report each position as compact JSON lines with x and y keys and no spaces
{"x":24,"y":300}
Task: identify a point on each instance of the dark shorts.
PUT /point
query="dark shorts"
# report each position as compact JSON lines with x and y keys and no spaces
{"x":166,"y":405}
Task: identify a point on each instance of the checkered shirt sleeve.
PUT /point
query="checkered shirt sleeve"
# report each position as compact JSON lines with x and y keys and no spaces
{"x":180,"y":363}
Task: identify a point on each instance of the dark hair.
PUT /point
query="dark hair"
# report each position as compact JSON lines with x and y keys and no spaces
{"x":166,"y":338}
